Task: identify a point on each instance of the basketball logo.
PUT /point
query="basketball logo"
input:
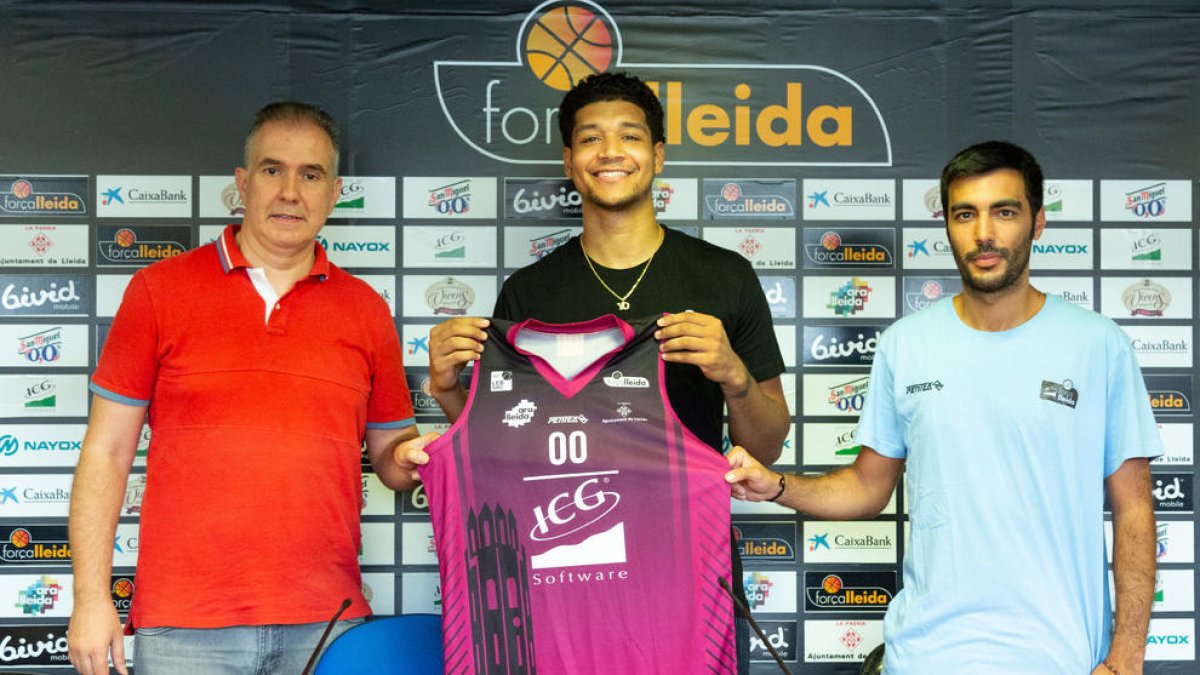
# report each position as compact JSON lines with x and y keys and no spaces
{"x":832,"y":584}
{"x":123,"y":588}
{"x":19,"y":537}
{"x":566,"y":44}
{"x":125,"y":237}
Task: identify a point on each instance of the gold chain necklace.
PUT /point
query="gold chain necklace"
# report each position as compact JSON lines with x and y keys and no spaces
{"x":623,"y":300}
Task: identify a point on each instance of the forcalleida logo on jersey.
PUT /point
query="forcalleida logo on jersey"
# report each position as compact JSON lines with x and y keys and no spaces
{"x":716,"y":114}
{"x":127,"y":246}
{"x":43,"y":196}
{"x":37,"y":545}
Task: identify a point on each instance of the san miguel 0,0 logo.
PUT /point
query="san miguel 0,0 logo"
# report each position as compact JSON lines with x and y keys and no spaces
{"x":747,"y":114}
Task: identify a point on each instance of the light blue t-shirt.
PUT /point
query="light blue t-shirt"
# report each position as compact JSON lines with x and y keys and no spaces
{"x":1007,"y":438}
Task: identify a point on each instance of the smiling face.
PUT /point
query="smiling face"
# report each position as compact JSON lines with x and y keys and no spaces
{"x":612,"y":159}
{"x":991,"y":229}
{"x":288,"y":187}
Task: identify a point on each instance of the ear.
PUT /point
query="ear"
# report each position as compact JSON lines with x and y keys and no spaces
{"x":241,"y":177}
{"x":337,"y":190}
{"x":659,"y":157}
{"x":567,"y":161}
{"x":1039,"y":223}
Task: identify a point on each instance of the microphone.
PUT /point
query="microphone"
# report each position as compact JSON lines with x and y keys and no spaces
{"x":312,"y":660}
{"x":744,"y":611}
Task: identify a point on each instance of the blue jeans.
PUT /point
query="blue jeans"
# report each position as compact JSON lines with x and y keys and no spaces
{"x":237,"y":650}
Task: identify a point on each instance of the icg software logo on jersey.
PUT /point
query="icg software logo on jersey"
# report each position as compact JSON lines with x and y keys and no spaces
{"x":749,"y":114}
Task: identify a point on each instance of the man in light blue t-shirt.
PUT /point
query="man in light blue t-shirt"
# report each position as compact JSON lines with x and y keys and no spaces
{"x":1015,"y":414}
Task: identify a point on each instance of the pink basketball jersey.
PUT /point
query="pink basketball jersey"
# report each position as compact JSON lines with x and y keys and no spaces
{"x":580,"y":528}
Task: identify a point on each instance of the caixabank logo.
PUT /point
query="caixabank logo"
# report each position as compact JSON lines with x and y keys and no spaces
{"x":717,"y":114}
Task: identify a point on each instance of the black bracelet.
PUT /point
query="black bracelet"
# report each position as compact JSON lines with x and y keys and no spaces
{"x":782,"y":488}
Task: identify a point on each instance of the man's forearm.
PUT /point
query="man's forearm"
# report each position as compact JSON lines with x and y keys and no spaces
{"x":1134,"y":558}
{"x":758,"y":418}
{"x":96,"y":497}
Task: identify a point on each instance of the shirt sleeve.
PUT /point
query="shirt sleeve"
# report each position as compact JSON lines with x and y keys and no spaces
{"x":390,"y":405}
{"x":1130,"y":429}
{"x":879,"y":427}
{"x":128,"y":366}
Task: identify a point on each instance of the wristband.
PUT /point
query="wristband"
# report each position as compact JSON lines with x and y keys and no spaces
{"x":782,"y":487}
{"x":1110,"y":668}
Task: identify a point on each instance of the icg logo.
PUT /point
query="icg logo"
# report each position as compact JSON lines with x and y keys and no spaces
{"x":716,"y":114}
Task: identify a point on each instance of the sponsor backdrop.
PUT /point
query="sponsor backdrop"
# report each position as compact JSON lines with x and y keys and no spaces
{"x":807,"y":140}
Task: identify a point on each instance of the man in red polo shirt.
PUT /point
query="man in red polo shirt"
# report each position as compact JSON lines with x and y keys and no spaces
{"x":263,"y":367}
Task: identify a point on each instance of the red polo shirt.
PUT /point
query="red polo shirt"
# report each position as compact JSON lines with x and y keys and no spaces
{"x":253,"y":480}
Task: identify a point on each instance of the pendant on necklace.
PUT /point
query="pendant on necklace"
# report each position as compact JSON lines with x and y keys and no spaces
{"x":622,"y":305}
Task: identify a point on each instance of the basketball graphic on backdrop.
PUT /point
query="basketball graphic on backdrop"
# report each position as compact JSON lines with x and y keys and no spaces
{"x":566,"y":44}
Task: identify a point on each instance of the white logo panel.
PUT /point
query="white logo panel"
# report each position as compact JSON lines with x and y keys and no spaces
{"x":443,"y":297}
{"x":922,"y":199}
{"x":359,"y":245}
{"x":927,"y":248}
{"x":219,"y":198}
{"x":849,"y":542}
{"x":1146,"y":249}
{"x":1062,"y":249}
{"x":1146,"y":201}
{"x":144,"y":196}
{"x":676,"y":198}
{"x":524,"y":245}
{"x":1067,"y":200}
{"x":840,"y":641}
{"x":1177,"y":441}
{"x":366,"y":197}
{"x":1146,"y":298}
{"x":455,"y":198}
{"x":862,"y":199}
{"x":384,"y":285}
{"x":44,"y":246}
{"x":1075,"y":290}
{"x":841,"y":297}
{"x":110,"y":290}
{"x":43,"y":396}
{"x":830,"y":443}
{"x":40,"y":445}
{"x":767,"y":248}
{"x":1161,"y":346}
{"x":25,"y":345}
{"x":426,"y":246}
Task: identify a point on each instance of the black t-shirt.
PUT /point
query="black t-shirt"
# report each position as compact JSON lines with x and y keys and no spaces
{"x":686,"y":273}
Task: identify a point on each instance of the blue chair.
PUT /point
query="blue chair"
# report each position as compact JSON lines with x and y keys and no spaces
{"x":409,"y":644}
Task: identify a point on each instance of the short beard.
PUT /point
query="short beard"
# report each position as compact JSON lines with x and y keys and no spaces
{"x":1017,"y":260}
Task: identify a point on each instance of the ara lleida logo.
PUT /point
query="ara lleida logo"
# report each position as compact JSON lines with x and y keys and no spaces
{"x":716,"y":114}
